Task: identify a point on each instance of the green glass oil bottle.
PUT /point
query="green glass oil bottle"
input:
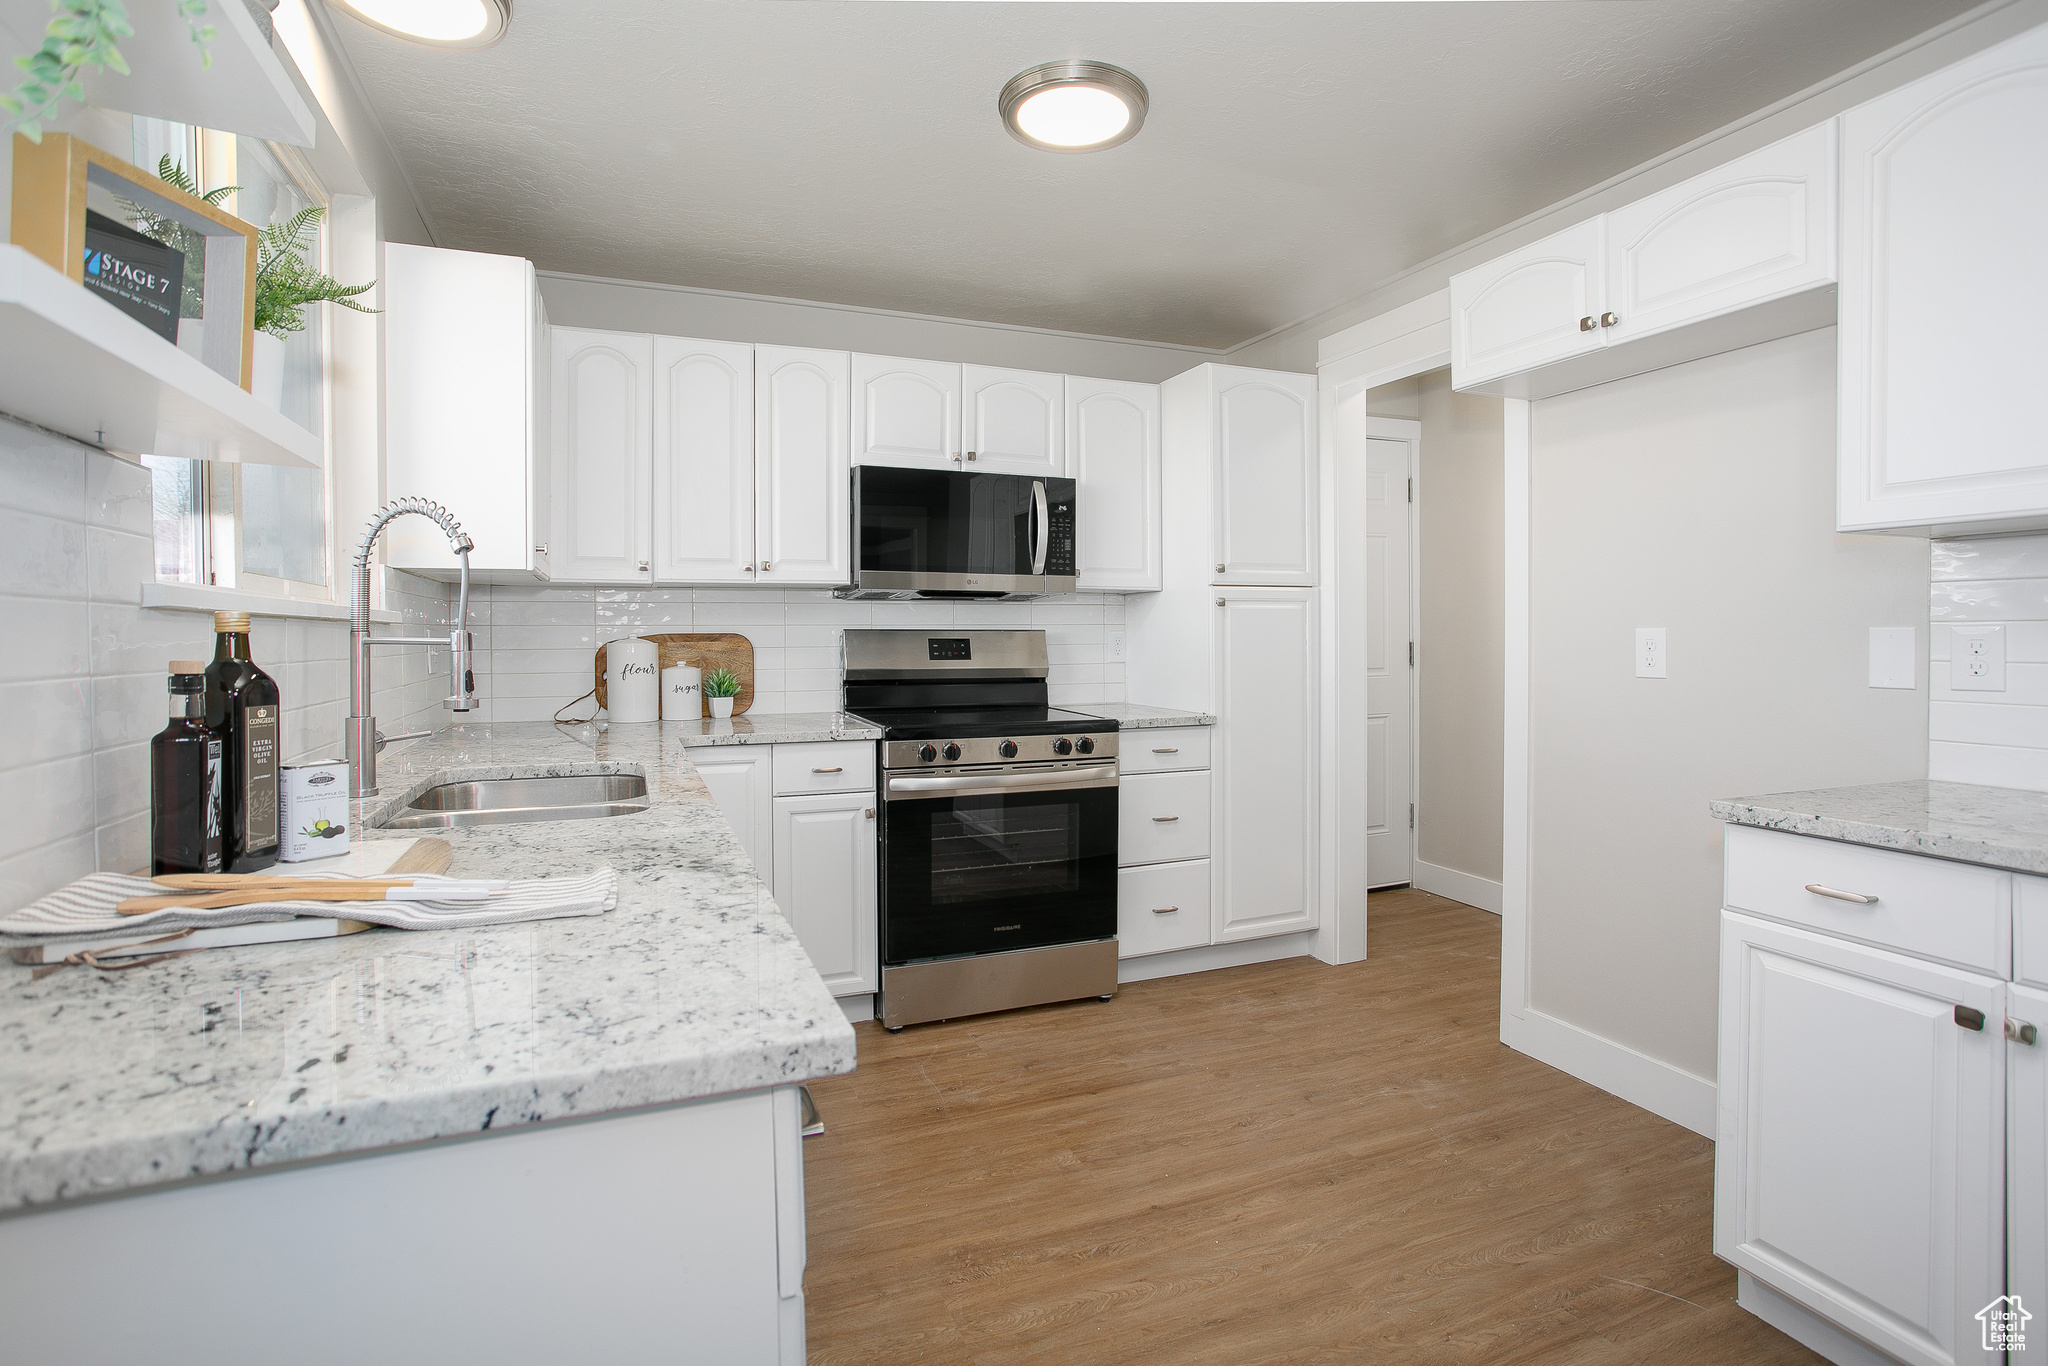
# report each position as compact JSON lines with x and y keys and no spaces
{"x":243,"y":708}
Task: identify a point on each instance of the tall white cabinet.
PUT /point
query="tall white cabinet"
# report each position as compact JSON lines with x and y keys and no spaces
{"x":1944,"y":285}
{"x":1265,"y":764}
{"x":601,"y":456}
{"x":1260,"y":427}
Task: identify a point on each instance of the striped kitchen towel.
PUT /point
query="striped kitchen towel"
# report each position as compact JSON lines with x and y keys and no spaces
{"x":85,"y":909}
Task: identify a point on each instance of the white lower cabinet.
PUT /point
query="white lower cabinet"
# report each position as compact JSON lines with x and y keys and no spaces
{"x":742,"y":782}
{"x":2026,"y":1152}
{"x":825,"y":884}
{"x":1858,"y":1165}
{"x":1162,"y":906}
{"x":1162,"y":816}
{"x":1265,"y":753}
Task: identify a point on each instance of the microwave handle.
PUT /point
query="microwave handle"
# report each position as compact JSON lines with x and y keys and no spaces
{"x":1044,"y":518}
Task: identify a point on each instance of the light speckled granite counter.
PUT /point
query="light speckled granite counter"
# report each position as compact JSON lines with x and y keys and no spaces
{"x":2003,"y":827}
{"x":248,"y":1057}
{"x":1136,"y":716}
{"x":789,"y":728}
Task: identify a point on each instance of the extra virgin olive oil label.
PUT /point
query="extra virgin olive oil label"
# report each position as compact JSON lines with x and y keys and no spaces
{"x":213,"y":859}
{"x":259,"y":777}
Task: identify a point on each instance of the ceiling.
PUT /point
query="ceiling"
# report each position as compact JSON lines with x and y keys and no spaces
{"x":1295,"y":156}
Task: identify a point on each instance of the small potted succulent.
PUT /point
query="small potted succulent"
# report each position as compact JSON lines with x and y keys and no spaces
{"x":721,"y":689}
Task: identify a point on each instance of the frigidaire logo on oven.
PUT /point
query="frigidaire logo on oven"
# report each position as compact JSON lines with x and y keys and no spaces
{"x":1001,"y":928}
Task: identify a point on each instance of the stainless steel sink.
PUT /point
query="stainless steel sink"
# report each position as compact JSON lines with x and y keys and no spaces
{"x":503,"y":801}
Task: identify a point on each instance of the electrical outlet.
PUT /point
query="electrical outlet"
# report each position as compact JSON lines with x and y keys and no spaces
{"x":1650,"y":652}
{"x":1116,"y":645}
{"x":1894,"y":657}
{"x":1976,"y":658}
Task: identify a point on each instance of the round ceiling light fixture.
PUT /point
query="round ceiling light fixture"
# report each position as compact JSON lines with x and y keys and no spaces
{"x":1073,"y":106}
{"x":435,"y":23}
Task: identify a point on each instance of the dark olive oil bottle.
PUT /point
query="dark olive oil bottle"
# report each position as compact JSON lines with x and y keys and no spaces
{"x":186,"y":784}
{"x":242,"y":707}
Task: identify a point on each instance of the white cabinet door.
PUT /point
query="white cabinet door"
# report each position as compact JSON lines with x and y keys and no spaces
{"x":1759,"y":228}
{"x":825,"y":884}
{"x":1263,"y":825}
{"x":803,"y":496}
{"x":1860,"y":1125}
{"x":462,"y":391}
{"x":742,"y":781}
{"x":1113,"y":446}
{"x":1015,"y":421}
{"x":2026,"y":1155}
{"x":601,"y":456}
{"x":1944,"y":285}
{"x":906,"y":412}
{"x":1530,"y":307}
{"x":703,"y":461}
{"x":1265,"y":483}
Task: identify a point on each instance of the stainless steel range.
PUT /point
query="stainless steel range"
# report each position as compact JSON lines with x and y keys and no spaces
{"x":999,"y":820}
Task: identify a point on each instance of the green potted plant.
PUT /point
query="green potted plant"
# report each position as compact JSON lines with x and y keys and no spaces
{"x":285,"y":284}
{"x":722,"y":687}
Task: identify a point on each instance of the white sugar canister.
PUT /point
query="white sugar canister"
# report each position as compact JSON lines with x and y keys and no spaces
{"x":632,"y":680}
{"x":682,"y":693}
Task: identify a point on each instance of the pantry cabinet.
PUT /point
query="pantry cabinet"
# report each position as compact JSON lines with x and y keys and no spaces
{"x":601,"y":456}
{"x":825,"y":883}
{"x":703,"y":462}
{"x":1014,"y":421}
{"x":906,"y":412}
{"x":1944,"y":287}
{"x":803,"y":474}
{"x":1112,"y":439}
{"x":1265,"y":815}
{"x":1261,"y":428}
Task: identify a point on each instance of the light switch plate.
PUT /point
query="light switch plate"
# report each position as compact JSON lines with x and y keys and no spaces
{"x":1650,"y":661}
{"x":1894,"y":657}
{"x":1976,"y":659}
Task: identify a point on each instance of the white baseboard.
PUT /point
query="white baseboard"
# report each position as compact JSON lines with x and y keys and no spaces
{"x":1211,"y":956}
{"x":1469,"y":888}
{"x":1658,"y":1087}
{"x":1804,"y":1326}
{"x":858,"y":1008}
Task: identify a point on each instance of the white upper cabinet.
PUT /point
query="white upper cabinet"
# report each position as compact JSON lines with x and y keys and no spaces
{"x":906,"y":412}
{"x":601,"y":455}
{"x":1015,"y":421}
{"x":465,"y":389}
{"x":1113,"y":444}
{"x":803,"y":474}
{"x":1264,"y":508}
{"x":1944,"y":288}
{"x":1532,"y":307}
{"x":703,"y":461}
{"x":1742,"y":234}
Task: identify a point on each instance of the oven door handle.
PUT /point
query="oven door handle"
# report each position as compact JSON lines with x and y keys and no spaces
{"x":907,"y":789}
{"x":1044,"y":537}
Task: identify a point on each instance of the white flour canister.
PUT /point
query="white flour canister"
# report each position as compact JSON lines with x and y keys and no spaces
{"x":632,"y":680}
{"x":682,"y":693}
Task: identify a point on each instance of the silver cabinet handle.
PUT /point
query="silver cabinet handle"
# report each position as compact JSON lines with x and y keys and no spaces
{"x":1219,"y":602}
{"x":764,"y":564}
{"x":2019,"y":1031}
{"x":1162,"y":820}
{"x":1609,"y":319}
{"x":1221,"y":569}
{"x":970,"y":455}
{"x":871,"y":813}
{"x":1164,"y":910}
{"x":540,"y":550}
{"x":828,"y":770}
{"x":1588,"y":324}
{"x":1969,"y":1017}
{"x":1175,"y":750}
{"x":1857,"y":897}
{"x":643,"y":566}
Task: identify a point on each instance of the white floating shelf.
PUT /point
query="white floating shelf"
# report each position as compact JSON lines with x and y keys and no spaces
{"x":246,"y":90}
{"x":80,"y":366}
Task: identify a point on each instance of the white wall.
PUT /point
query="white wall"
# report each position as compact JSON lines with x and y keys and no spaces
{"x":677,"y":311}
{"x":1999,"y":738}
{"x":1701,"y":499}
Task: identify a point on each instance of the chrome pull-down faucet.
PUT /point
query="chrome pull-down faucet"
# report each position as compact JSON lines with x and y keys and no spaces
{"x":359,"y":732}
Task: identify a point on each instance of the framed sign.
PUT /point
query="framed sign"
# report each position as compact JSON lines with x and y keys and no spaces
{"x":168,"y":259}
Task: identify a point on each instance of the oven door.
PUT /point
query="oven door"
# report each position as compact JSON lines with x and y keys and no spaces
{"x":979,"y":861}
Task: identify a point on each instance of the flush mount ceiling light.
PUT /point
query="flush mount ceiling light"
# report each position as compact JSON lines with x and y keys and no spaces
{"x":1073,"y":106}
{"x":435,"y":23}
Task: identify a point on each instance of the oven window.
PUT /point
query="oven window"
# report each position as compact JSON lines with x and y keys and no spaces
{"x":982,"y":848}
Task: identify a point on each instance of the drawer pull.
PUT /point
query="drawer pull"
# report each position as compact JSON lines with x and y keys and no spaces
{"x":1857,"y":897}
{"x":1174,"y":750}
{"x":2019,"y":1031}
{"x":1161,"y":820}
{"x":1169,"y":910}
{"x":828,"y":770}
{"x":1969,"y":1017}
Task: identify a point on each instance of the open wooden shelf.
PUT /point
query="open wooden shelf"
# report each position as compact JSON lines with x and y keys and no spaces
{"x":80,"y":366}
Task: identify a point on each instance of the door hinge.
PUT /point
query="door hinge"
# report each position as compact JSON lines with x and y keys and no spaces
{"x":1411,"y":490}
{"x":1411,"y":654}
{"x":1411,"y":815}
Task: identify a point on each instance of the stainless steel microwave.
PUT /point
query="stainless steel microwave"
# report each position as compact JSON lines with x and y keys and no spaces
{"x":956,"y":534}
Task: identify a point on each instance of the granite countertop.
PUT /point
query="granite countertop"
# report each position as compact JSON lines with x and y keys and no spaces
{"x":787,"y":728}
{"x":2003,"y":827}
{"x":248,"y":1057}
{"x":1136,"y":716}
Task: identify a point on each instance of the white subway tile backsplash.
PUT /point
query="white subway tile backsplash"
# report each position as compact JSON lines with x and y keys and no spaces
{"x":51,"y":719}
{"x":41,"y":557}
{"x":1990,"y":600}
{"x":1997,"y":738}
{"x":1992,"y":557}
{"x":45,"y":804}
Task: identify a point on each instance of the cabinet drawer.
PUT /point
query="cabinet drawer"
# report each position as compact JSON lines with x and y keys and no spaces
{"x":1923,"y":906}
{"x":828,"y":766}
{"x":1162,"y":906}
{"x":1163,"y":751}
{"x":2030,"y":931}
{"x":1163,"y":816}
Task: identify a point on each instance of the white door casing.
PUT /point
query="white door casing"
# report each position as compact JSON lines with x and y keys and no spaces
{"x":1392,"y":447}
{"x":906,"y":412}
{"x":703,"y":461}
{"x":1014,"y":421}
{"x":1114,"y":452}
{"x":602,"y":419}
{"x":803,"y":496}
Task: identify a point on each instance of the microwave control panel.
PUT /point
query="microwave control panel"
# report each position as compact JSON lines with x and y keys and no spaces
{"x":1059,"y":549}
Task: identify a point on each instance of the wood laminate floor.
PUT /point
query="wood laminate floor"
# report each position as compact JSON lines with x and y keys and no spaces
{"x":1285,"y":1163}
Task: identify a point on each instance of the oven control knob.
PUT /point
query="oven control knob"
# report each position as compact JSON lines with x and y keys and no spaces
{"x":927,"y":753}
{"x":1063,"y":746}
{"x":1085,"y":745}
{"x":1008,"y":749}
{"x":952,"y":751}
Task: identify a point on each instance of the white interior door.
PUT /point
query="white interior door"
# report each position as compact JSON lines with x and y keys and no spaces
{"x":1392,"y":446}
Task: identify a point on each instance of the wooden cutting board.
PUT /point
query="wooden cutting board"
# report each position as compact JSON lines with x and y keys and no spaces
{"x":724,"y":650}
